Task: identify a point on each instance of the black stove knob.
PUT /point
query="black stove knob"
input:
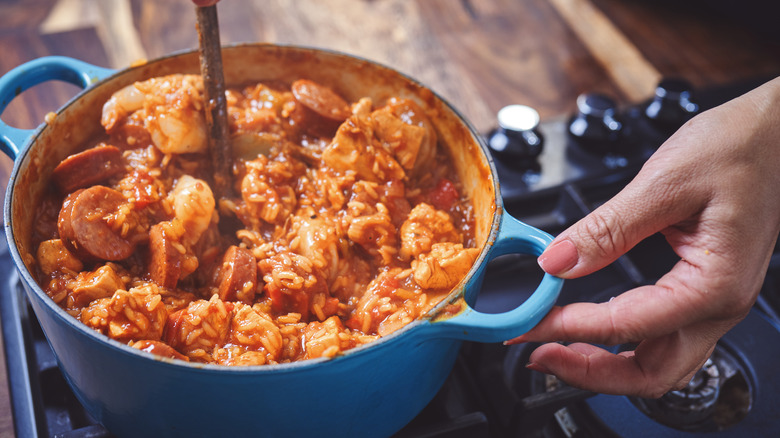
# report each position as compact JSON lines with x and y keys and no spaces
{"x":672,"y":104}
{"x":596,"y":126}
{"x":517,"y":141}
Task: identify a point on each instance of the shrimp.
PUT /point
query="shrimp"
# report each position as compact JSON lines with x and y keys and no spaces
{"x":193,"y":205}
{"x":121,"y":104}
{"x":318,"y":241}
{"x":171,"y":255}
{"x":171,"y":108}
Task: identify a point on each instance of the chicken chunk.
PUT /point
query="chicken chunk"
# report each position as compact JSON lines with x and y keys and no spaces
{"x":293,"y":285}
{"x":380,"y":300}
{"x":266,"y":192}
{"x":321,"y":339}
{"x":199,"y":328}
{"x":353,"y":148}
{"x":254,"y":330}
{"x":375,"y":232}
{"x":424,"y":227}
{"x":444,"y":266}
{"x":135,"y":314}
{"x":89,"y":286}
{"x":415,"y":156}
{"x":235,"y":356}
{"x":388,"y":143}
{"x":54,"y":256}
{"x":403,"y":138}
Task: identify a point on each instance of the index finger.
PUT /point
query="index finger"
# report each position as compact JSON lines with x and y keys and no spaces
{"x":629,"y":317}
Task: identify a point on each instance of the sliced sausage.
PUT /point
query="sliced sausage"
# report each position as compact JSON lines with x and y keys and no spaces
{"x":88,"y":168}
{"x":319,"y":110}
{"x":173,"y":327}
{"x":237,"y":280}
{"x":91,"y":220}
{"x":164,"y":258}
{"x":64,"y":222}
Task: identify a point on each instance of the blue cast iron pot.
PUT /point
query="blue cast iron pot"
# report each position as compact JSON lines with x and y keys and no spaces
{"x":370,"y":391}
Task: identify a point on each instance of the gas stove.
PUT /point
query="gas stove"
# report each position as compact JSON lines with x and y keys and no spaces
{"x":552,"y":173}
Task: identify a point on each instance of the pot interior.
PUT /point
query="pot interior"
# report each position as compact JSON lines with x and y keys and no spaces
{"x":79,"y":122}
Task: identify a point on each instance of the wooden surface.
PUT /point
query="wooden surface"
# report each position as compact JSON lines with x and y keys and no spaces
{"x":479,"y":54}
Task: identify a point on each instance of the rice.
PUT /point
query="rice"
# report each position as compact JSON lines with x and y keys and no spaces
{"x":334,"y":234}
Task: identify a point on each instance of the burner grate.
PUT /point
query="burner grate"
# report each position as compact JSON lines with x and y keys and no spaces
{"x":43,"y":404}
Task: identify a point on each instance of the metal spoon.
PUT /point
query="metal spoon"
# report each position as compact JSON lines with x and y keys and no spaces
{"x":216,"y":103}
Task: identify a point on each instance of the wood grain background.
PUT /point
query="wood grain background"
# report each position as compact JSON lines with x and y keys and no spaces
{"x":479,"y":54}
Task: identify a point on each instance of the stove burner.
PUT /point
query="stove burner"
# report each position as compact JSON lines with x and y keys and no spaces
{"x":733,"y":396}
{"x":727,"y":398}
{"x":691,"y":405}
{"x":716,"y":398}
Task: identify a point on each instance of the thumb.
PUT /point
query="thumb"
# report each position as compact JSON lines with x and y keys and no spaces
{"x":643,"y":208}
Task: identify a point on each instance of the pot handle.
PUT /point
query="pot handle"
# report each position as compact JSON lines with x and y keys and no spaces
{"x":514,"y":236}
{"x":36,"y":72}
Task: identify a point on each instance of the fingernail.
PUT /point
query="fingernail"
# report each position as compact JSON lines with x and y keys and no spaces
{"x":559,"y":257}
{"x":518,"y":340}
{"x":536,"y":367}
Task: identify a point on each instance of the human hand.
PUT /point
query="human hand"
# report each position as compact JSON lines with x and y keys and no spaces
{"x":711,"y":190}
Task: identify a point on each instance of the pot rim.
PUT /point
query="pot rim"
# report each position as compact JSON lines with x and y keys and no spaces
{"x":457,"y":293}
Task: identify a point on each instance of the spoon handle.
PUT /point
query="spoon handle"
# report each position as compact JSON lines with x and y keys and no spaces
{"x":216,"y":103}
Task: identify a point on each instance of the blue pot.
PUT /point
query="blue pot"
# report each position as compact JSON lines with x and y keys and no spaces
{"x":372,"y":390}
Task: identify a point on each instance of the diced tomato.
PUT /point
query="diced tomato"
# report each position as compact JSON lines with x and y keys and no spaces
{"x":172,"y":327}
{"x":331,"y":306}
{"x":395,"y":200}
{"x":143,"y":189}
{"x":276,"y":296}
{"x":354,"y":323}
{"x":387,"y":286}
{"x":283,"y":303}
{"x":444,"y":195}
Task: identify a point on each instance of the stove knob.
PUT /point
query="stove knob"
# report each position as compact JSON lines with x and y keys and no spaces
{"x":671,"y":106}
{"x":517,"y":142}
{"x":595,"y":126}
